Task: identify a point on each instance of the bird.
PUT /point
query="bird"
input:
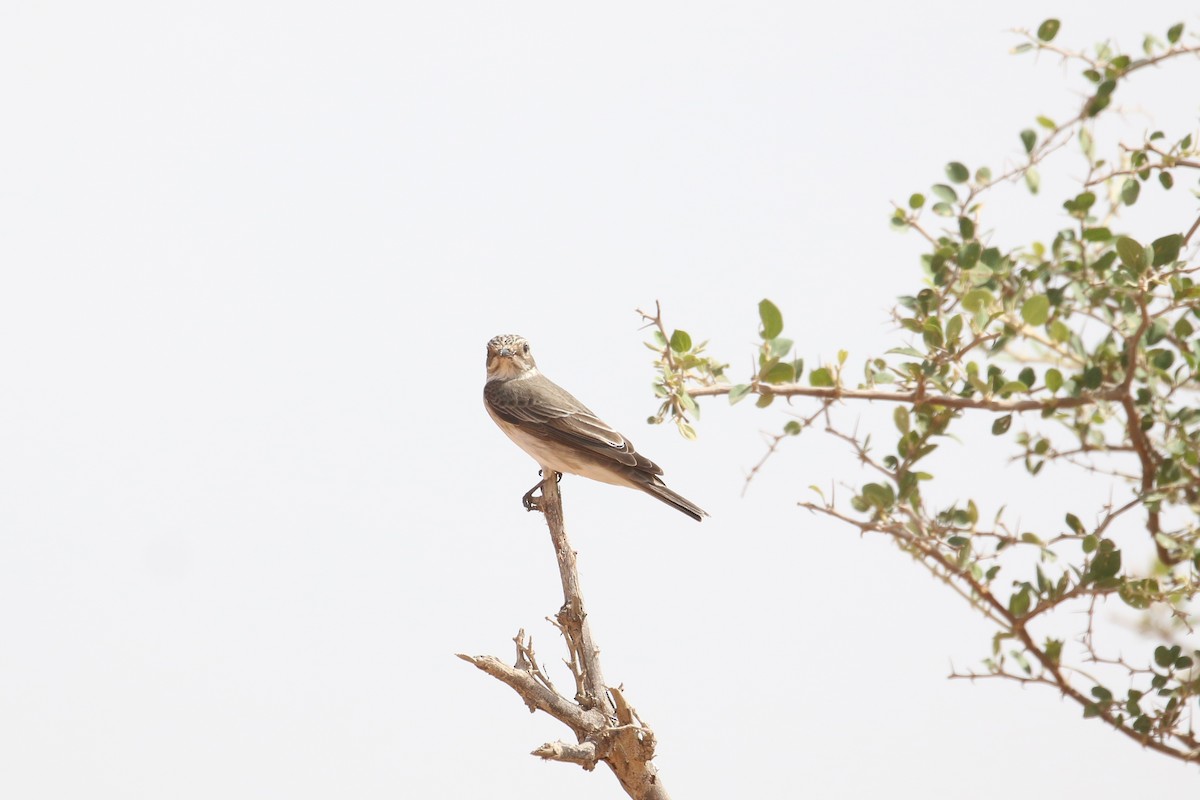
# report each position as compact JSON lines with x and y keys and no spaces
{"x":561,"y":433}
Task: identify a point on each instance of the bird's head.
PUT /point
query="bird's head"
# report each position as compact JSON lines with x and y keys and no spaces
{"x":508,"y":357}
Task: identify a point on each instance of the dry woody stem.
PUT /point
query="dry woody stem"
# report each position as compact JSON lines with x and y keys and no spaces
{"x":606,"y":728}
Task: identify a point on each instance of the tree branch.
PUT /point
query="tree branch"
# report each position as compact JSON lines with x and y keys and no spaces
{"x":606,"y":727}
{"x":916,"y":397}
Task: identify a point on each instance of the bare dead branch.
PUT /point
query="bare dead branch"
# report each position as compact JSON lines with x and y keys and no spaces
{"x":606,"y":727}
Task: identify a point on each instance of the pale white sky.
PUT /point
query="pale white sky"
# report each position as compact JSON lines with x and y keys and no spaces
{"x":250,"y":502}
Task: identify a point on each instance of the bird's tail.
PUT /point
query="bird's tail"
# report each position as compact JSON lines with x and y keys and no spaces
{"x":661,"y":492}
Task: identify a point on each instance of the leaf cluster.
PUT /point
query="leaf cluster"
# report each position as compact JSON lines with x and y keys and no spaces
{"x":1084,"y":348}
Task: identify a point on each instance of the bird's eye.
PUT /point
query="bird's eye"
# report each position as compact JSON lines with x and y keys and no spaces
{"x":527,"y":348}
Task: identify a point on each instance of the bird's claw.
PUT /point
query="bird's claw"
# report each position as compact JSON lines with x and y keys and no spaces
{"x":529,"y":501}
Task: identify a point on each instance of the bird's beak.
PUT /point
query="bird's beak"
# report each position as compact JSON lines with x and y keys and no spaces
{"x":505,"y":352}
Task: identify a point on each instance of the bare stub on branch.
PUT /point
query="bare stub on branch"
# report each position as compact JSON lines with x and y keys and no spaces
{"x":606,"y":728}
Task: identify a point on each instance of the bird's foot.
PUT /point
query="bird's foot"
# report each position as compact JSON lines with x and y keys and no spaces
{"x":557,"y":477}
{"x":529,"y":501}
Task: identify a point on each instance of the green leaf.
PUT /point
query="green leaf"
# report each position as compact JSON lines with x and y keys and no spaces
{"x":1097,"y":234}
{"x":779,"y":347}
{"x":1166,"y":179}
{"x":1130,"y":190}
{"x":738,"y":393}
{"x":1106,"y":563}
{"x":900,"y":416}
{"x":978,"y":300}
{"x":782,"y":372}
{"x":915,"y":201}
{"x":772,"y":319}
{"x":1001,"y":425}
{"x":1174,"y":32}
{"x":879,"y":495}
{"x":1131,"y":253}
{"x":1054,"y":379}
{"x":1036,"y":310}
{"x":820,"y":377}
{"x":1048,"y":30}
{"x":1029,"y":139}
{"x":968,"y":256}
{"x":680,"y":341}
{"x":1059,"y":331}
{"x":1033,"y":180}
{"x":957,"y":172}
{"x":1018,"y":604}
{"x":1166,"y":249}
{"x":944,"y":192}
{"x":954,"y":328}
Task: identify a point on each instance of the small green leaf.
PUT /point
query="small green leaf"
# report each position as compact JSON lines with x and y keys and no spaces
{"x":944,"y":192}
{"x":1054,"y":379}
{"x":1048,"y":30}
{"x":1130,"y":191}
{"x":1036,"y":310}
{"x":900,"y":416}
{"x":792,"y":428}
{"x":968,"y":256}
{"x":680,"y":341}
{"x":1131,"y":253}
{"x":957,"y":172}
{"x":1018,"y":604}
{"x":1174,"y":32}
{"x":738,"y":393}
{"x":915,"y":201}
{"x":1166,"y":179}
{"x":954,"y":328}
{"x":1166,"y":249}
{"x":1029,"y":139}
{"x":780,"y":347}
{"x":1033,"y":180}
{"x":820,"y":377}
{"x":1106,"y":563}
{"x":1059,"y":331}
{"x":772,"y":319}
{"x":977,"y":300}
{"x":782,"y":372}
{"x":1001,"y":425}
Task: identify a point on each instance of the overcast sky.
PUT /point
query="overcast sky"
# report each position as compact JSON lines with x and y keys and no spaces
{"x":251,"y":504}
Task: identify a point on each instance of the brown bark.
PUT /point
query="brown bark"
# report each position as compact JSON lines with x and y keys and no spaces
{"x":607,"y":729}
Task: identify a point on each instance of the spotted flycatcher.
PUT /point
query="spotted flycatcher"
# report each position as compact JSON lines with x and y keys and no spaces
{"x":561,"y":433}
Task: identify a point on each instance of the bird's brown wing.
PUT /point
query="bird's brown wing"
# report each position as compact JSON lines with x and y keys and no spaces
{"x":544,"y":409}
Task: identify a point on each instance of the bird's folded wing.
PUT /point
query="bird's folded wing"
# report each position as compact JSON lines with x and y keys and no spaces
{"x":544,"y":409}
